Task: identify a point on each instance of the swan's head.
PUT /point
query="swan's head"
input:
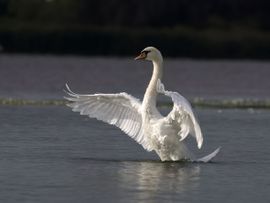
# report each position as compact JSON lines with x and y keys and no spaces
{"x":150,"y":54}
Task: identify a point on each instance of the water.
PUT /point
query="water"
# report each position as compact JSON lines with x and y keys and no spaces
{"x":26,"y":76}
{"x":51,"y":154}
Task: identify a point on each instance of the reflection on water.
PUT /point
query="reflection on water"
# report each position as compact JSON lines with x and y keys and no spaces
{"x":150,"y":180}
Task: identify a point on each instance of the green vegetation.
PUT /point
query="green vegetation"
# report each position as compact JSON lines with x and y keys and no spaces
{"x":197,"y":102}
{"x":232,"y":103}
{"x":26,"y":102}
{"x":179,"y":41}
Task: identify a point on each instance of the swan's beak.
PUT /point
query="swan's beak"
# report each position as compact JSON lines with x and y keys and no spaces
{"x":141,"y":56}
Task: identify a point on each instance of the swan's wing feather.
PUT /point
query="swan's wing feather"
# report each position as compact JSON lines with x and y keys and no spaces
{"x":121,"y":110}
{"x":209,"y":157}
{"x":182,"y":115}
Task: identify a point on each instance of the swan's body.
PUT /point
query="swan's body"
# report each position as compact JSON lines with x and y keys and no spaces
{"x":142,"y":121}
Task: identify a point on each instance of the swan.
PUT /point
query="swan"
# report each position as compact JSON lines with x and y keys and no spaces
{"x":141,"y":120}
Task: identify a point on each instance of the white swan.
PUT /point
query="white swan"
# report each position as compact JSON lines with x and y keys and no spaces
{"x":142,"y":121}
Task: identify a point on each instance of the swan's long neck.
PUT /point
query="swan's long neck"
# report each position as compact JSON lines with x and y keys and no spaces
{"x":150,"y":96}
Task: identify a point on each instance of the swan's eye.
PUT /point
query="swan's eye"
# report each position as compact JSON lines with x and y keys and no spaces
{"x":142,"y":55}
{"x":145,"y":52}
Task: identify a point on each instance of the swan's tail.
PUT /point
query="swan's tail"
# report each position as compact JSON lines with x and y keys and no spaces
{"x":209,"y":157}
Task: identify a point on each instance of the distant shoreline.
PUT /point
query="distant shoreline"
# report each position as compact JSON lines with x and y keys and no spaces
{"x":181,"y":41}
{"x":196,"y":102}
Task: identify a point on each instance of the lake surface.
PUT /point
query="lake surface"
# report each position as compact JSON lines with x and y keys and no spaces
{"x":28,"y":76}
{"x":51,"y":154}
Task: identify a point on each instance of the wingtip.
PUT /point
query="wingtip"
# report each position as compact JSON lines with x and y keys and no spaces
{"x":69,"y":91}
{"x":209,"y":157}
{"x":200,"y":143}
{"x":67,"y":87}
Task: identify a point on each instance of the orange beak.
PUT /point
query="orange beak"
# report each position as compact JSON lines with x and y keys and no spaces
{"x":141,"y":56}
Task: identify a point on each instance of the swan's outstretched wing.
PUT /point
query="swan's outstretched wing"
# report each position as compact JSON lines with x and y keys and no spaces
{"x":182,"y":116}
{"x":121,"y":110}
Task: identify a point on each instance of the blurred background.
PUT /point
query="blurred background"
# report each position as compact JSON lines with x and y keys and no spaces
{"x":182,"y":28}
{"x":213,"y":49}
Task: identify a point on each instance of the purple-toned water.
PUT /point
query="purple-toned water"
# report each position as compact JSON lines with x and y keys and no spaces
{"x":34,"y":76}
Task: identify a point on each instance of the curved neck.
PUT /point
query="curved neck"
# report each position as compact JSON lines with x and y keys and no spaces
{"x":150,"y":95}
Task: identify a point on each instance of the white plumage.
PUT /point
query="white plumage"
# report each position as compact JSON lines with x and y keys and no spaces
{"x":141,"y":120}
{"x":121,"y":110}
